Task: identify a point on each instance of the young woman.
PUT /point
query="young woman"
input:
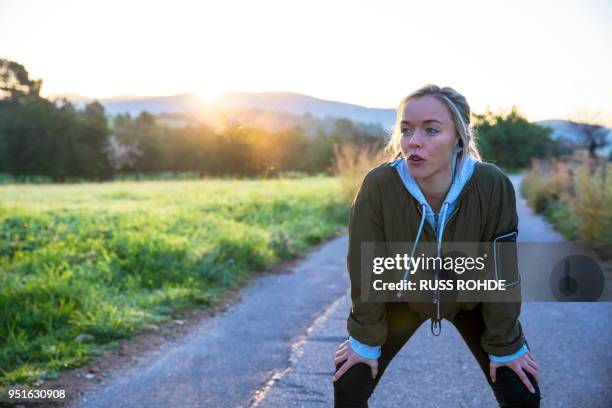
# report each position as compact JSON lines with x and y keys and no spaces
{"x":437,"y":176}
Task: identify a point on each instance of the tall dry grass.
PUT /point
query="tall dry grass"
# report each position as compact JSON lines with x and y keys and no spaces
{"x":575,"y":193}
{"x":351,"y":164}
{"x":592,"y":204}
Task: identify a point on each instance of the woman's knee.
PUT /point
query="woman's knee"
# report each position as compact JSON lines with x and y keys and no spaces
{"x":512,"y":393}
{"x":354,"y":387}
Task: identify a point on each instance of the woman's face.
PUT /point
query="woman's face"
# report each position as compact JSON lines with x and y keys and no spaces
{"x":428,"y":136}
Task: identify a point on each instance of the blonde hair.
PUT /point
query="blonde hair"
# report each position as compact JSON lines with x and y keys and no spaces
{"x":459,"y":110}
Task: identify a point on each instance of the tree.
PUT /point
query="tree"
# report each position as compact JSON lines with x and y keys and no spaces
{"x":43,"y":138}
{"x":510,"y":140}
{"x":15,"y":86}
{"x":320,"y":152}
{"x":592,"y":136}
{"x":90,"y":148}
{"x":15,"y":81}
{"x":146,"y":141}
{"x":27,"y":131}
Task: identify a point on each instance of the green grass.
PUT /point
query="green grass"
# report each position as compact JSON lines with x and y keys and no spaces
{"x":107,"y":259}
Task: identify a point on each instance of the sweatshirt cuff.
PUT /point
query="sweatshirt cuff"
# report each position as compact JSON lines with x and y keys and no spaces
{"x":505,"y":359}
{"x":363,"y":350}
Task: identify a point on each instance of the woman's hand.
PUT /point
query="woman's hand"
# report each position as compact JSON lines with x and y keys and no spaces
{"x":346,"y":353}
{"x":525,"y":362}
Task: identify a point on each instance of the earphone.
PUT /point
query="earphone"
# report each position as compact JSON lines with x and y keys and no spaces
{"x":459,"y":145}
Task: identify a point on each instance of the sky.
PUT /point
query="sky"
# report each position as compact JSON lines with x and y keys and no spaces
{"x":552,"y":59}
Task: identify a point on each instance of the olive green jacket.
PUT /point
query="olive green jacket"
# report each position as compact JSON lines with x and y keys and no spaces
{"x":384,"y":211}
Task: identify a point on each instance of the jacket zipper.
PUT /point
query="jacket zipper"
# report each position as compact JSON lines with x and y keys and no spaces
{"x":436,"y":298}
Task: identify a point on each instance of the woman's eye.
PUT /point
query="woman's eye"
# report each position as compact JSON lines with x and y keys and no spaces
{"x":432,"y":131}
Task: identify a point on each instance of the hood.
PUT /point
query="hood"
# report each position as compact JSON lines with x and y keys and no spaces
{"x":465,"y":169}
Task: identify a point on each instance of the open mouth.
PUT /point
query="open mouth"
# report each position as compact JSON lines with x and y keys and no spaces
{"x":414,"y":158}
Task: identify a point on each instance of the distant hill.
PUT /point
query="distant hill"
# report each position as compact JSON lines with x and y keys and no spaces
{"x":280,"y":102}
{"x":299,"y":104}
{"x":134,"y":105}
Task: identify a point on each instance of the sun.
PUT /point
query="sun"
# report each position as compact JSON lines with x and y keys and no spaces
{"x":208,"y":94}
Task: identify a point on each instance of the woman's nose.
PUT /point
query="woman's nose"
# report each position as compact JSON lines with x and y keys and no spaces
{"x":415,"y":140}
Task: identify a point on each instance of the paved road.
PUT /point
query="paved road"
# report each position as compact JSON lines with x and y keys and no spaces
{"x":276,"y":347}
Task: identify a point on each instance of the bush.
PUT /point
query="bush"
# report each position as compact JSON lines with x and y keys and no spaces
{"x":351,"y":164}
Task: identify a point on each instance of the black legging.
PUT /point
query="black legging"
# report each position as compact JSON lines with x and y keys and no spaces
{"x":356,"y":385}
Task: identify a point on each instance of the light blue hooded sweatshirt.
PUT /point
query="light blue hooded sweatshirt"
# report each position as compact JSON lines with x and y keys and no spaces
{"x":458,"y":180}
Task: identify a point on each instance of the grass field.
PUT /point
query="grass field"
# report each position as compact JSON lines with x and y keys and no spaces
{"x":84,"y":265}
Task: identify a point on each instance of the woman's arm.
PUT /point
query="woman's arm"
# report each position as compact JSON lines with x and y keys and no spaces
{"x":503,"y":338}
{"x":367,"y":320}
{"x":503,"y":334}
